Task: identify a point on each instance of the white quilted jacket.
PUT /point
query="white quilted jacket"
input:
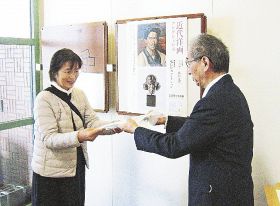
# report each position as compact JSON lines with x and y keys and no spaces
{"x":55,"y":142}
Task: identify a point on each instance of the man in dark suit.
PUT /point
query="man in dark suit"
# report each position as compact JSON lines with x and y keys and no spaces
{"x":218,"y":134}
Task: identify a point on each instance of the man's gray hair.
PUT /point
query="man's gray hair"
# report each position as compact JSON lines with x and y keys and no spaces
{"x":213,"y":48}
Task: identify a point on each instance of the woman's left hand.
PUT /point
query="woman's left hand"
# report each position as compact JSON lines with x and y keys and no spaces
{"x":111,"y":131}
{"x":89,"y":134}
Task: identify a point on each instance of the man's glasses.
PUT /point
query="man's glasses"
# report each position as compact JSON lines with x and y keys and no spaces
{"x":188,"y":62}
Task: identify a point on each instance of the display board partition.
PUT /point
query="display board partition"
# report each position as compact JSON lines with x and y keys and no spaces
{"x":90,"y":42}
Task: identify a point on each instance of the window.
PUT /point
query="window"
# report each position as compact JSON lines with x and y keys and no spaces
{"x":19,"y":83}
{"x":19,"y":52}
{"x":15,"y":18}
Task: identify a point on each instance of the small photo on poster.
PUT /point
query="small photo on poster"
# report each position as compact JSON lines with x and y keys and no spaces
{"x":151,"y":45}
{"x":151,"y":90}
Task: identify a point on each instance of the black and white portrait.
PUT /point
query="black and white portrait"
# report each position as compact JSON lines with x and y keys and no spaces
{"x":151,"y":84}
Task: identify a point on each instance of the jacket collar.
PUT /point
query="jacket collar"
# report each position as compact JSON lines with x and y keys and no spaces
{"x":212,"y":83}
{"x":224,"y":80}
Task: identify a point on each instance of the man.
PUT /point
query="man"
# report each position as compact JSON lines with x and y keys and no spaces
{"x":218,"y":134}
{"x":151,"y":56}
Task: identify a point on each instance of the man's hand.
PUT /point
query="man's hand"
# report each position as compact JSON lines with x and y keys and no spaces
{"x":156,"y":118}
{"x":129,"y":126}
{"x":89,"y":134}
{"x":161,"y":120}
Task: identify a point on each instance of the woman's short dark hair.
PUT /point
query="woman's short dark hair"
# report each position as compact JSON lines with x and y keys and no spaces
{"x":59,"y":58}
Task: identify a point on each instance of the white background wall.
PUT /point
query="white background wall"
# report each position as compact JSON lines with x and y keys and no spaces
{"x":122,"y":176}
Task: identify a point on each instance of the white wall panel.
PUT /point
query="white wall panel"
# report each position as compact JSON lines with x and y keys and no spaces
{"x":250,"y":30}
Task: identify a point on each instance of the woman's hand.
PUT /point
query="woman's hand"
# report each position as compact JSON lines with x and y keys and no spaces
{"x":89,"y":134}
{"x":111,"y":131}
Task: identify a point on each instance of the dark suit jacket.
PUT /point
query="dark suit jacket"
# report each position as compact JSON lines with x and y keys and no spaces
{"x":218,"y":135}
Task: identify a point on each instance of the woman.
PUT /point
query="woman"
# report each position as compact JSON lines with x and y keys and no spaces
{"x":61,"y":133}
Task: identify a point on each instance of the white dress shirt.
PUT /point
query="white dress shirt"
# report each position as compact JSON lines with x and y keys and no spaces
{"x":211,"y":84}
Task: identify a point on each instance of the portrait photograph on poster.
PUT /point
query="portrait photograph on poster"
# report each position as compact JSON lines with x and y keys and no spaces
{"x":151,"y":45}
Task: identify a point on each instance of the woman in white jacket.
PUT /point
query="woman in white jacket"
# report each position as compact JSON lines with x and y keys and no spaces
{"x":61,"y":133}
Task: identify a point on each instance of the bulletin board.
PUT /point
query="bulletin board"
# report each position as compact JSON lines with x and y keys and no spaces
{"x":154,"y":82}
{"x":90,"y":42}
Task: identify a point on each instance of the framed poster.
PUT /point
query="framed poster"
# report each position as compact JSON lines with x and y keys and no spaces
{"x":90,"y":42}
{"x":151,"y":69}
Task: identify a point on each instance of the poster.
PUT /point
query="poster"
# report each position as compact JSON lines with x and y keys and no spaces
{"x":151,"y":66}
